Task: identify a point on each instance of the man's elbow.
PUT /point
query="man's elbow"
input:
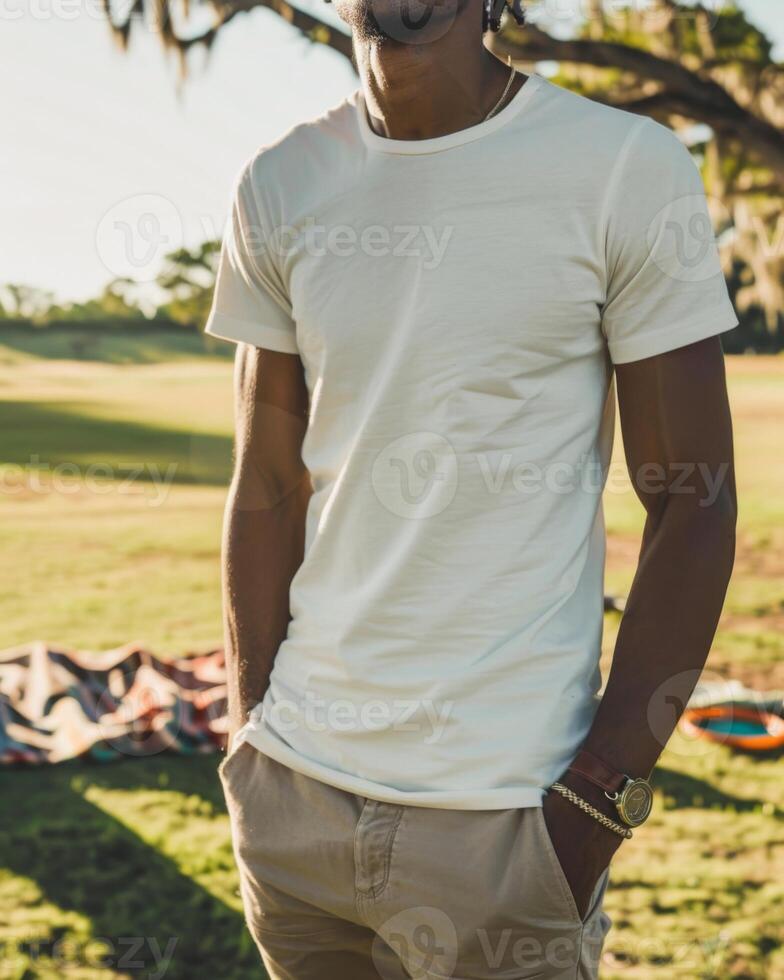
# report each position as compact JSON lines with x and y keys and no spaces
{"x":707,"y":523}
{"x":726,"y":505}
{"x":725,"y":521}
{"x":257,"y":486}
{"x":720,"y":504}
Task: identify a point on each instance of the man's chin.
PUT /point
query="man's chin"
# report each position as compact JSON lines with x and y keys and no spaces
{"x":403,"y":22}
{"x":360,"y":17}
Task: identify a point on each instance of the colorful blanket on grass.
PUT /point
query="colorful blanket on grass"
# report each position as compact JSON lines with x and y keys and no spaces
{"x":58,"y":704}
{"x":61,"y":704}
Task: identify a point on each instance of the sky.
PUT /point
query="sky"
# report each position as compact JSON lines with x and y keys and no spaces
{"x":107,"y":162}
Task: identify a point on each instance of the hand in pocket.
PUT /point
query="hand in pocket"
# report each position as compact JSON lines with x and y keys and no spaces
{"x":582,"y":845}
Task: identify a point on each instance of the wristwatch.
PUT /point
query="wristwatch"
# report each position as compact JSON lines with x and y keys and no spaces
{"x":633,"y":798}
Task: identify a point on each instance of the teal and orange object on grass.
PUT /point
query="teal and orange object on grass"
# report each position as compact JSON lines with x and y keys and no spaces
{"x":746,"y":728}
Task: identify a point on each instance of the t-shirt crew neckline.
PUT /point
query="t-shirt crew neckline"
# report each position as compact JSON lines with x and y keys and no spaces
{"x":436,"y":144}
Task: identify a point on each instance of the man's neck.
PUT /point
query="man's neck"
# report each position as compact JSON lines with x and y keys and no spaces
{"x":421,"y":91}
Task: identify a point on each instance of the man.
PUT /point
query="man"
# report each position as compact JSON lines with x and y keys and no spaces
{"x":435,"y":287}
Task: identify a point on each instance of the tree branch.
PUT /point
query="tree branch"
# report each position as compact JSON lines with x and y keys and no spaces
{"x":313,"y":28}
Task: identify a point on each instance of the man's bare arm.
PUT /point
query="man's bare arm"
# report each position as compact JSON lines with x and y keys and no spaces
{"x":677,"y":436}
{"x":678,"y":441}
{"x":264,"y":527}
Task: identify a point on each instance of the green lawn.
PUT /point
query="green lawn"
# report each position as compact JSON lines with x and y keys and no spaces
{"x":91,"y":857}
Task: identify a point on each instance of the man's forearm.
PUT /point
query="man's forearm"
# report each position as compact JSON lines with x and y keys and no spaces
{"x":667,"y":630}
{"x":262,"y":550}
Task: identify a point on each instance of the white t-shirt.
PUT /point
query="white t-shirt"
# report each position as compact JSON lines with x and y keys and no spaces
{"x":458,"y":304}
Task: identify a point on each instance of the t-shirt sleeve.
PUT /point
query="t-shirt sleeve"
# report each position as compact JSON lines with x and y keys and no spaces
{"x":250,"y":304}
{"x":665,"y":287}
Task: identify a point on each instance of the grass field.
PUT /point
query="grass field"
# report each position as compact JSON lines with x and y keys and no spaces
{"x":112,"y":489}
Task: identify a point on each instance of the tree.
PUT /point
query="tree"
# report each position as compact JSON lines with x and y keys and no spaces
{"x":117,"y":301}
{"x":188,"y":277}
{"x":726,"y":77}
{"x":21,"y":302}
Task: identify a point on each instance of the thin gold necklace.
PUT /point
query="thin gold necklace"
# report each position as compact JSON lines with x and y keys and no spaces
{"x":501,"y":101}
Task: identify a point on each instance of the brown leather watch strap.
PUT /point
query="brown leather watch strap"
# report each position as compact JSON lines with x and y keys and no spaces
{"x":590,"y":767}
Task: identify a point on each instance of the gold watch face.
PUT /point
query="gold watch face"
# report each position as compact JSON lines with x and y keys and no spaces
{"x":635,"y":802}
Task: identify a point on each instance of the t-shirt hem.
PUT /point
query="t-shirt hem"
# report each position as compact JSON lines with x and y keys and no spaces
{"x":681,"y":335}
{"x":504,"y":798}
{"x":250,"y":332}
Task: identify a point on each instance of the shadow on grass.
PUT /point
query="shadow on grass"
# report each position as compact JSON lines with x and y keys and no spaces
{"x":688,"y":791}
{"x":85,"y":860}
{"x":113,"y":345}
{"x":50,"y":434}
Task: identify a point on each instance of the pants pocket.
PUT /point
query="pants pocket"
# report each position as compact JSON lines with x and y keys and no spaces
{"x":555,"y":866}
{"x":600,"y":885}
{"x":230,"y":760}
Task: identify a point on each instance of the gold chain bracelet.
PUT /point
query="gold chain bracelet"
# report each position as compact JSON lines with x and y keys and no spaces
{"x":584,"y":805}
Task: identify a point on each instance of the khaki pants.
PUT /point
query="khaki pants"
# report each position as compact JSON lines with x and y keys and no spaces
{"x":339,"y":887}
